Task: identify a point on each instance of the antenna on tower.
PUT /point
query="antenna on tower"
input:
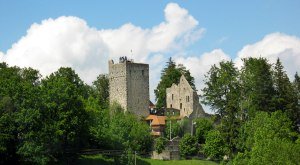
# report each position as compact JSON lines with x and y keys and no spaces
{"x":131,"y":55}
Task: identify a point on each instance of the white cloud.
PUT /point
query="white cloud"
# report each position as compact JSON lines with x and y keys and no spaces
{"x":179,"y":27}
{"x":157,"y":63}
{"x":200,"y":65}
{"x":1,"y":56}
{"x":69,"y":41}
{"x":65,"y":41}
{"x":272,"y":46}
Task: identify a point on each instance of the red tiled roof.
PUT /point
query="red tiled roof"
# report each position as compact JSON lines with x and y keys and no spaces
{"x":157,"y":120}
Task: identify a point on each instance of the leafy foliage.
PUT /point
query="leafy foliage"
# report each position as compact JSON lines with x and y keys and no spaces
{"x":102,"y":90}
{"x":285,"y":96}
{"x":188,"y":145}
{"x":203,"y":126}
{"x":43,"y":121}
{"x":160,"y":144}
{"x":222,"y":92}
{"x":264,"y":136}
{"x":18,"y":94}
{"x":296,"y":112}
{"x":176,"y":129}
{"x":257,"y":86}
{"x":121,"y":131}
{"x":215,"y":146}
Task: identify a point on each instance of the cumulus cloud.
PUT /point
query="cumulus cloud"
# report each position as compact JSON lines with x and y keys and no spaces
{"x":273,"y":46}
{"x":178,"y":30}
{"x":65,"y":41}
{"x":157,"y":63}
{"x":69,"y":41}
{"x":200,"y":65}
{"x":1,"y":56}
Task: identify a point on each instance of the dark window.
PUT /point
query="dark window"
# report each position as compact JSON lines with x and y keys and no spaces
{"x":171,"y":105}
{"x":180,"y":105}
{"x":188,"y":98}
{"x":172,"y":96}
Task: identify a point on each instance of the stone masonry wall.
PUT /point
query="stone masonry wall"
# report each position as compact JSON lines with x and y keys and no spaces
{"x":129,"y":86}
{"x":184,"y":98}
{"x":117,"y":84}
{"x":138,"y":88}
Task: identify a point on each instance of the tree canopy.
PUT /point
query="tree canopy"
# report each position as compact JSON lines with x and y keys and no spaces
{"x":49,"y":120}
{"x":244,"y":100}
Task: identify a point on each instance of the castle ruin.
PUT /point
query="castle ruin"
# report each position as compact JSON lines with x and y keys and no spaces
{"x":129,"y":85}
{"x":183,"y":98}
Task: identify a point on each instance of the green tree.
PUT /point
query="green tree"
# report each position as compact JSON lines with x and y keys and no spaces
{"x":175,"y":130}
{"x":127,"y":132}
{"x":265,"y":135}
{"x":170,"y":74}
{"x":160,"y":144}
{"x":221,"y":87}
{"x":257,"y":86}
{"x":188,"y":145}
{"x":203,"y":125}
{"x":98,"y":121}
{"x":285,"y":97}
{"x":8,"y":141}
{"x":222,"y":93}
{"x":65,"y":124}
{"x":102,"y":90}
{"x":296,"y":85}
{"x":18,"y":94}
{"x":297,"y":82}
{"x":215,"y":147}
{"x":276,"y":124}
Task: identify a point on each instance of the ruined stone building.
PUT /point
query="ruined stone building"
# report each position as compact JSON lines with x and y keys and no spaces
{"x":183,"y":98}
{"x":129,"y":85}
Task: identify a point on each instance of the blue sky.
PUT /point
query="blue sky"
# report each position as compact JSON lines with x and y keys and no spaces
{"x":84,"y":35}
{"x":234,"y":23}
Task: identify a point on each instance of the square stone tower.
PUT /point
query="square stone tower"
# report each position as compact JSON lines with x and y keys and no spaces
{"x":129,"y":85}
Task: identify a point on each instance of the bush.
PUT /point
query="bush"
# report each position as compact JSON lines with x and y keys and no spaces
{"x":188,"y":145}
{"x":215,"y":146}
{"x":203,"y":125}
{"x":160,"y":144}
{"x":268,"y":140}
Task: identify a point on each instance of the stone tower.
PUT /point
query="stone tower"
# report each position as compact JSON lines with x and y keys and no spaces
{"x":129,"y":85}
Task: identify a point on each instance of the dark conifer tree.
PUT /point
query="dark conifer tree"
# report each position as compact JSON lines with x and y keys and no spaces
{"x":257,"y":86}
{"x":285,"y":98}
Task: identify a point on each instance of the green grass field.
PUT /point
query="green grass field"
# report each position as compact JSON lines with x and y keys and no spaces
{"x":99,"y":159}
